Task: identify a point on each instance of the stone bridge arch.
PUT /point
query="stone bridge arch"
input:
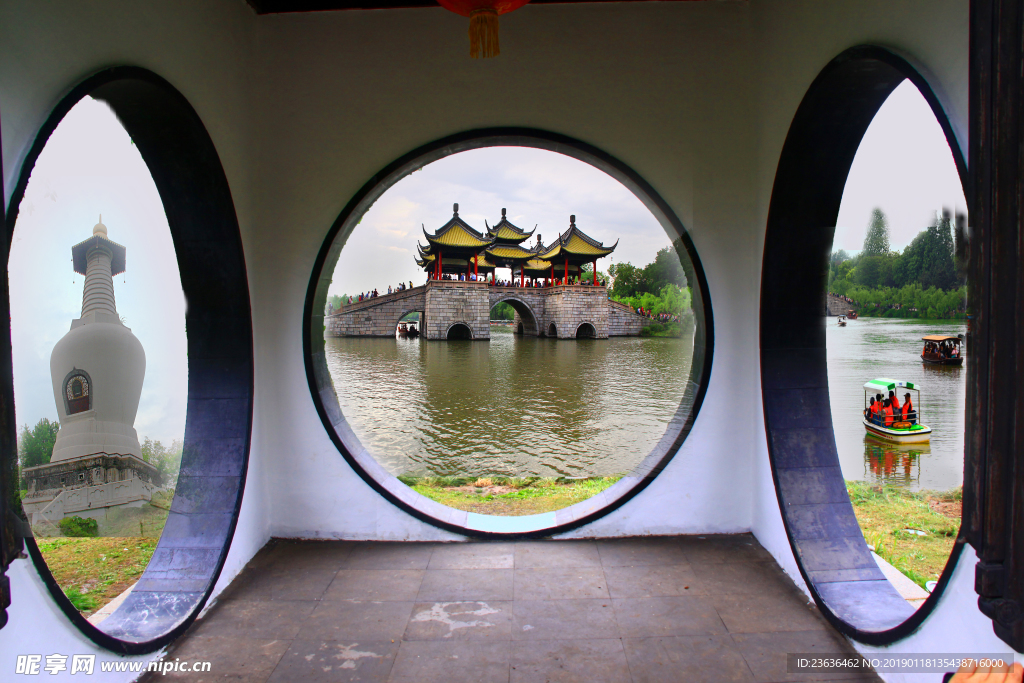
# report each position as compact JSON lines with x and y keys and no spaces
{"x":526,"y":315}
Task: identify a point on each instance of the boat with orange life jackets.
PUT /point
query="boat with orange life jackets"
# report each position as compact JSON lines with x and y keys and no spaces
{"x":888,"y":426}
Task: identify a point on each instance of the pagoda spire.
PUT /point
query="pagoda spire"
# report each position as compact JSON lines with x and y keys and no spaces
{"x":99,"y":260}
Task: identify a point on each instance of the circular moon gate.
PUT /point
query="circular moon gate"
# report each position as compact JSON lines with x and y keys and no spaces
{"x":200,"y":213}
{"x":387,"y":485}
{"x":826,"y":539}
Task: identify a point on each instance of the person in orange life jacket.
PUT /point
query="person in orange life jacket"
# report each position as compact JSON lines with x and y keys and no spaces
{"x":895,"y":403}
{"x":876,"y":410}
{"x":887,"y":412}
{"x":869,"y":412}
{"x":908,"y":413}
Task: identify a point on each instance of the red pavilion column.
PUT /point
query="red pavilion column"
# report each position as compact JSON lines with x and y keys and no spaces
{"x":566,"y":277}
{"x":595,"y":273}
{"x":476,"y":266}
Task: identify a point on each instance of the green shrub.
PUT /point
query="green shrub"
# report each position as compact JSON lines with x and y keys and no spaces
{"x":79,"y":527}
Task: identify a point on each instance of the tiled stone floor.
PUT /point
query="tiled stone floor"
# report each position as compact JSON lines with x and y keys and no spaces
{"x":711,"y":608}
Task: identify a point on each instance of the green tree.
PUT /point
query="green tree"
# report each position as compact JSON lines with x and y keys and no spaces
{"x":503,"y":311}
{"x":929,"y":260}
{"x":166,"y":460}
{"x":666,"y":269}
{"x":876,"y":242}
{"x":35,"y":446}
{"x":629,"y":280}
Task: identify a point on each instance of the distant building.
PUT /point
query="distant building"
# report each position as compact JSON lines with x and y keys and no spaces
{"x":97,"y":370}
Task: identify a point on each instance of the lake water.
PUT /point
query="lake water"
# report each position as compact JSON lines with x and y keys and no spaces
{"x":513,"y":406}
{"x":881,"y":347}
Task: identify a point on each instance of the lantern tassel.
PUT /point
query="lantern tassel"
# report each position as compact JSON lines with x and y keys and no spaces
{"x":483,"y":34}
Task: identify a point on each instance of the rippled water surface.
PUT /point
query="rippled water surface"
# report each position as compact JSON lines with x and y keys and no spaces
{"x":876,"y":347}
{"x":511,"y":406}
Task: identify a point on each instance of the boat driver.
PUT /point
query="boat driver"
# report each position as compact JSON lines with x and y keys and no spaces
{"x":909,"y":415}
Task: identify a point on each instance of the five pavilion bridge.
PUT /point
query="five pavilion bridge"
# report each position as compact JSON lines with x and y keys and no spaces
{"x":454,"y":309}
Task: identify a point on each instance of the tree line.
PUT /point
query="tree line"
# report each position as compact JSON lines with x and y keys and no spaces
{"x":662,"y":286}
{"x":925,"y":280}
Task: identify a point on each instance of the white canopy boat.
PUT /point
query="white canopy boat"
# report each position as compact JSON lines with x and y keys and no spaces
{"x":899,"y":431}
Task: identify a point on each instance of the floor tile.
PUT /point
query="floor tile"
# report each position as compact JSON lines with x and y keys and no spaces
{"x":299,"y":583}
{"x":344,"y":620}
{"x":557,"y":554}
{"x":272,"y":620}
{"x":569,"y":660}
{"x":732,"y":548}
{"x":424,"y":661}
{"x":765,"y":653}
{"x":652,"y":581}
{"x":375,"y":584}
{"x":563,"y":619}
{"x":253,"y":658}
{"x":466,"y":584}
{"x":742,"y":578}
{"x":694,"y":659}
{"x":328,"y":661}
{"x":389,"y":556}
{"x":473,"y":556}
{"x":476,"y":620}
{"x":313,"y":555}
{"x":766,"y":613}
{"x":636,"y":552}
{"x":560,"y":583}
{"x":678,"y":616}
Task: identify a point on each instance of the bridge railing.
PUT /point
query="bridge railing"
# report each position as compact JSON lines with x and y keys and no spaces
{"x":378,"y":300}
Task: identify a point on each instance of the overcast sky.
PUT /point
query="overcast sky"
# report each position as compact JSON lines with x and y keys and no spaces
{"x":89,"y":167}
{"x":536,"y":187}
{"x":904,"y":167}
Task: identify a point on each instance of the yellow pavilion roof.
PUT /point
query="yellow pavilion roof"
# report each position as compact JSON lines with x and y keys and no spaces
{"x":574,"y":242}
{"x":456,"y":233}
{"x":504,"y":231}
{"x":509,"y":251}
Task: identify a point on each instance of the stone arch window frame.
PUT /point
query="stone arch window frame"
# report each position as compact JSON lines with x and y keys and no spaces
{"x":823,"y":138}
{"x":64,"y":391}
{"x":552,"y":330}
{"x":171,"y":137}
{"x":322,"y":388}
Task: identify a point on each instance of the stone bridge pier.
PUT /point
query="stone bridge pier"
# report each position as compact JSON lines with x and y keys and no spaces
{"x":451,"y":309}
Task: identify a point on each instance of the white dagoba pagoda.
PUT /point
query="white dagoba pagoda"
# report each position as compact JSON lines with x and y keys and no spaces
{"x":97,"y":370}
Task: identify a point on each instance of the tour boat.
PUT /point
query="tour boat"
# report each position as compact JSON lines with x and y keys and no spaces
{"x":945,"y":350}
{"x":898,"y":431}
{"x":842,"y":321}
{"x":851,"y":314}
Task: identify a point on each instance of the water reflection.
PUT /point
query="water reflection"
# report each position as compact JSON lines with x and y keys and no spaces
{"x":511,"y":406}
{"x":900,"y":465}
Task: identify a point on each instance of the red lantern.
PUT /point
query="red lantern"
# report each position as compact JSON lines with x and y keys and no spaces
{"x":483,"y":22}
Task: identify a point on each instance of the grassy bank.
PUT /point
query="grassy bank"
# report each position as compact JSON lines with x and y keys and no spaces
{"x":889,"y":516}
{"x":509,"y":496}
{"x":94,"y":571}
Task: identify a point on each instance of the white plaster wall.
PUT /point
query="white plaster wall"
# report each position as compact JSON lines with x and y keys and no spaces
{"x":696,"y":97}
